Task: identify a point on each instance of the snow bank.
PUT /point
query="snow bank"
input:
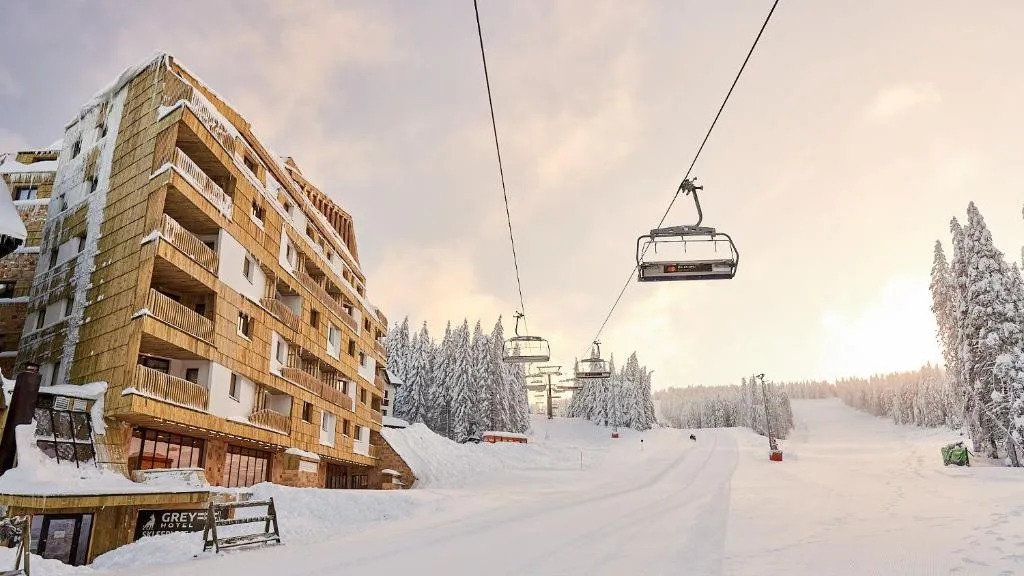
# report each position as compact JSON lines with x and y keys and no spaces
{"x":42,"y":566}
{"x":392,"y":422}
{"x":303,"y":454}
{"x":441,"y":463}
{"x":39,"y":475}
{"x":305,"y":516}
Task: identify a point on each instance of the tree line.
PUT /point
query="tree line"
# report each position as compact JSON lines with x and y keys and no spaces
{"x":622,"y":400}
{"x":727,"y":406}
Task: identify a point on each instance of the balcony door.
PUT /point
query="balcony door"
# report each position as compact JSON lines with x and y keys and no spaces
{"x":63,"y":537}
{"x":158,"y":364}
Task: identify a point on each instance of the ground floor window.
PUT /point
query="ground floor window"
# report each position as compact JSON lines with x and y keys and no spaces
{"x":337,"y":477}
{"x":360,"y":481}
{"x":245,"y":466}
{"x":63,"y":537}
{"x":154,"y":449}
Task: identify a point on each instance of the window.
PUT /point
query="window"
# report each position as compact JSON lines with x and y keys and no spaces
{"x":68,"y":305}
{"x":366,"y":324}
{"x":6,"y":288}
{"x":351,"y":347}
{"x":63,"y":201}
{"x":154,"y":449}
{"x":281,"y":352}
{"x":81,"y":242}
{"x":94,"y":183}
{"x":192,"y":375}
{"x":337,"y":477}
{"x":362,"y":359}
{"x":357,"y":431}
{"x":314,"y":318}
{"x":359,"y":481}
{"x":40,"y":318}
{"x":26,"y":192}
{"x":345,"y":425}
{"x":333,"y":340}
{"x":257,"y":210}
{"x":247,"y":268}
{"x":244,"y":467}
{"x":55,"y":374}
{"x":53,"y":258}
{"x":362,"y":395}
{"x":200,"y":308}
{"x":289,"y":253}
{"x":307,"y":412}
{"x":233,"y":387}
{"x":76,"y":149}
{"x":158,"y":364}
{"x":250,"y":164}
{"x":244,"y":325}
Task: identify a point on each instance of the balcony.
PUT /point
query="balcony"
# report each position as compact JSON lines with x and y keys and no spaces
{"x":267,"y":418}
{"x":282,"y":312}
{"x":178,"y":91}
{"x":377,"y":417}
{"x":181,"y":317}
{"x":302,"y":378}
{"x":205,"y":185}
{"x":335,"y":396}
{"x":188,"y":244}
{"x":379,"y":348}
{"x":156,"y":384}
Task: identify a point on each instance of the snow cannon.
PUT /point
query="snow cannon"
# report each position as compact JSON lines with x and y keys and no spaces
{"x":775,"y":455}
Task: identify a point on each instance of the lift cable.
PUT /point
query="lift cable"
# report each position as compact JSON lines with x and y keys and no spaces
{"x":675,"y":196}
{"x":501,"y":171}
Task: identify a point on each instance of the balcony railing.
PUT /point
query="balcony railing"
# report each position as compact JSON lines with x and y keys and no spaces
{"x":374,"y":453}
{"x":203,"y":183}
{"x":179,"y":90}
{"x":281,"y":311}
{"x":181,"y":317}
{"x":376,"y":417}
{"x":335,"y":396}
{"x":349,"y":320}
{"x":189,"y":245}
{"x":267,"y":418}
{"x":302,"y":378}
{"x":379,"y":382}
{"x":325,"y":298}
{"x":380,"y":349}
{"x":156,"y":384}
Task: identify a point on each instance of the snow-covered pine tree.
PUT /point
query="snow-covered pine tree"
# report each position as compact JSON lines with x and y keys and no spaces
{"x":519,"y":402}
{"x":496,"y":380}
{"x":459,"y":392}
{"x":419,"y":380}
{"x":963,"y":352}
{"x":399,"y":349}
{"x":993,"y":332}
{"x":440,"y":395}
{"x":480,"y":366}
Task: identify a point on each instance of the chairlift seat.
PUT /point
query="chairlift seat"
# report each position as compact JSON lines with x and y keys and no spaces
{"x":592,"y":368}
{"x":526,"y":349}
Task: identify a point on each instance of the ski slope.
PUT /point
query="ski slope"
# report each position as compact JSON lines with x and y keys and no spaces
{"x":855,"y":495}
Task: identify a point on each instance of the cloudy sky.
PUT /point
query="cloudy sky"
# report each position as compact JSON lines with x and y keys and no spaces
{"x":858,"y":130}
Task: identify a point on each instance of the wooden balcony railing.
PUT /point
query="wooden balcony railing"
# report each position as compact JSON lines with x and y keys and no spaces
{"x":205,"y":185}
{"x":156,"y":384}
{"x":267,"y":418}
{"x":320,"y":293}
{"x":181,"y":317}
{"x":374,"y":453}
{"x":176,"y":90}
{"x":302,"y":378}
{"x":281,"y":311}
{"x":189,"y":245}
{"x":379,"y":382}
{"x":379,"y":348}
{"x":348,"y":320}
{"x":335,"y":396}
{"x":376,"y":417}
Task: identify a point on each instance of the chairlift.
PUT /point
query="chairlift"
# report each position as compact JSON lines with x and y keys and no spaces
{"x":652,"y":269}
{"x":593,"y":367}
{"x":526,"y":349}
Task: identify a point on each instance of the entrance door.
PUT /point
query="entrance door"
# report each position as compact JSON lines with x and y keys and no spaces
{"x":63,"y":537}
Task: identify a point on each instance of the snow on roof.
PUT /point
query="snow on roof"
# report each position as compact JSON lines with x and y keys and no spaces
{"x":303,"y":454}
{"x":10,"y":165}
{"x":91,"y":391}
{"x":10,"y":222}
{"x":393,"y":422}
{"x":390,"y":472}
{"x":392,"y":379}
{"x":504,"y":434}
{"x":39,"y":475}
{"x":118,"y":83}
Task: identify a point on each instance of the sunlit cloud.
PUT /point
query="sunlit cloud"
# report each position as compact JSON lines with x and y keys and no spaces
{"x":896,"y":100}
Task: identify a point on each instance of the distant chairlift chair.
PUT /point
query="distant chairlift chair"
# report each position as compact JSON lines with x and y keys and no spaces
{"x":651,"y":270}
{"x":526,"y":349}
{"x":593,"y":367}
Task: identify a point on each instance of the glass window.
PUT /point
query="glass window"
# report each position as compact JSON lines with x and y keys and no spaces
{"x":244,"y":325}
{"x":7,"y":289}
{"x":152,"y":449}
{"x":244,"y":467}
{"x":233,"y":388}
{"x":26,"y":192}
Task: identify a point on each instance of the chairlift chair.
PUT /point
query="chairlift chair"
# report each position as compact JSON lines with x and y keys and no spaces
{"x":653,"y":270}
{"x":593,"y":367}
{"x":526,"y":349}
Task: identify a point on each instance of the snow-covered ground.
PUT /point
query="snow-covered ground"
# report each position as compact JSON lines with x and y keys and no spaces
{"x":855,"y":495}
